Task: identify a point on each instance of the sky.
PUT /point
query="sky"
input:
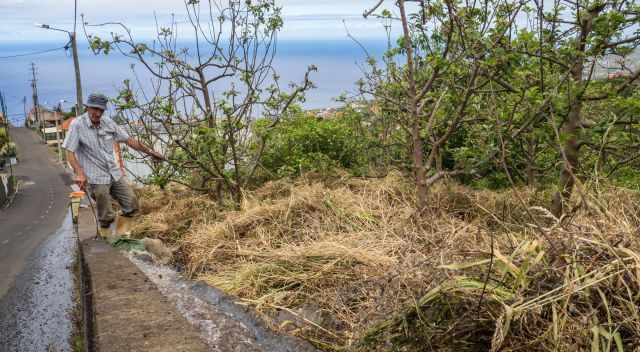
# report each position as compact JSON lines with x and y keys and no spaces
{"x":304,"y":19}
{"x":313,"y":33}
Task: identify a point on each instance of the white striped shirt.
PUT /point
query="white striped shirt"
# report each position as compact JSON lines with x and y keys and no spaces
{"x":93,"y":147}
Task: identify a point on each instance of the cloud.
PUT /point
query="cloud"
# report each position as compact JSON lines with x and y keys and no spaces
{"x":12,"y":3}
{"x":303,"y":18}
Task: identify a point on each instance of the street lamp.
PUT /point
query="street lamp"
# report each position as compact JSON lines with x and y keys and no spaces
{"x":60,"y":102}
{"x":76,"y":63}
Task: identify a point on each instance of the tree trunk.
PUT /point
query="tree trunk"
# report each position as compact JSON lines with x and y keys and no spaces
{"x":416,"y":139}
{"x":418,"y":167}
{"x":211,"y":123}
{"x":571,"y":128}
{"x":531,"y":159}
{"x":438,"y":157}
{"x":571,"y":151}
{"x":417,"y":156}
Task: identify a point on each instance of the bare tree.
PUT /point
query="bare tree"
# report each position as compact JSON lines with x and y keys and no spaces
{"x":444,"y":45}
{"x":205,"y":97}
{"x":575,"y":36}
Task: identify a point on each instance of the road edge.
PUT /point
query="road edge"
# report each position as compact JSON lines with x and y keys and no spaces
{"x":85,"y":295}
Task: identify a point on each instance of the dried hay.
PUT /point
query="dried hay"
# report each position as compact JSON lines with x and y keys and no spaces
{"x":167,"y":214}
{"x":353,"y":266}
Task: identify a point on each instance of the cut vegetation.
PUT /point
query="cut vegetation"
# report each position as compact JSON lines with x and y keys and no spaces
{"x":503,"y":227}
{"x":348,"y":263}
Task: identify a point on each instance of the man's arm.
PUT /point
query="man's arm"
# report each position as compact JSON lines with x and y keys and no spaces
{"x":144,"y":149}
{"x":71,"y":144}
{"x":80,"y":178}
{"x":121,"y":136}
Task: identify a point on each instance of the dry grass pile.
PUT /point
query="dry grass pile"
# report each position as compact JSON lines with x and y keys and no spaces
{"x":350,"y":265}
{"x":168,"y":214}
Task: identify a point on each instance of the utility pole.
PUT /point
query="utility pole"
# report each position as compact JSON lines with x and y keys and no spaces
{"x":24,"y":106}
{"x":76,"y":66}
{"x":5,"y":114}
{"x":76,"y":62}
{"x":36,"y":104}
{"x":58,"y":142}
{"x":74,"y":51}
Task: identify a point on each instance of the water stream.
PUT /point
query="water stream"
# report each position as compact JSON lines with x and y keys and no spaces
{"x":223,"y":324}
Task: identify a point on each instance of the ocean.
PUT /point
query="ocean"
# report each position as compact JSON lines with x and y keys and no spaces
{"x":339,"y":63}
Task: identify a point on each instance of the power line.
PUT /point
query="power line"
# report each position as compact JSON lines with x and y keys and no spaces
{"x":34,"y":53}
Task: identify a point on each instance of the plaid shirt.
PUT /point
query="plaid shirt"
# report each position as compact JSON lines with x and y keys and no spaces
{"x":93,"y":147}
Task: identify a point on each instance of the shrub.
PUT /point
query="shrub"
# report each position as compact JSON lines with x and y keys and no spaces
{"x":305,"y":143}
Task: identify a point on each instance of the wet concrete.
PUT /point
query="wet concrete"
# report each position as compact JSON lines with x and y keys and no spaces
{"x":129,"y":313}
{"x":223,"y":324}
{"x":36,"y":313}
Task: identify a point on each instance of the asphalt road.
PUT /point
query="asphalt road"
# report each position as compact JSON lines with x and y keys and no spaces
{"x":38,"y":209}
{"x":37,"y":254}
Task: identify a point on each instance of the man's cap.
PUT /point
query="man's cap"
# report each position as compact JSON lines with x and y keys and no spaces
{"x":97,"y":100}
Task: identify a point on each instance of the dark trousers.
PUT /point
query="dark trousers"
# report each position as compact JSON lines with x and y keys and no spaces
{"x":121,"y":192}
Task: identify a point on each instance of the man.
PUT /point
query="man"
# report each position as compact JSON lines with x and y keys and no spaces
{"x":90,"y":151}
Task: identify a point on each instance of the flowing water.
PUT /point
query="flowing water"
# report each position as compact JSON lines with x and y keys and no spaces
{"x":223,"y":324}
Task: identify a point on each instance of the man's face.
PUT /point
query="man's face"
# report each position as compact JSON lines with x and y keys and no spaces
{"x":94,"y":114}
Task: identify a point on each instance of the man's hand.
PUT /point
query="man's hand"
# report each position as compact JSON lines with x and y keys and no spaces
{"x":145,"y":149}
{"x":80,"y":180}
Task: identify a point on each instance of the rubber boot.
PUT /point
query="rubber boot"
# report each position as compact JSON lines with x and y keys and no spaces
{"x":105,"y":233}
{"x":123,"y":226}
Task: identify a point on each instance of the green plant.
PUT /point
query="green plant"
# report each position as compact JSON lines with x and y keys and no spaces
{"x":305,"y":142}
{"x":7,"y":148}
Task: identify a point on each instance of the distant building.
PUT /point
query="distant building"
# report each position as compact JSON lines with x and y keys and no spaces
{"x":33,"y":118}
{"x":48,"y":122}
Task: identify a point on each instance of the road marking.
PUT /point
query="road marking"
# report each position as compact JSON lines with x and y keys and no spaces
{"x":19,"y":233}
{"x":5,"y":241}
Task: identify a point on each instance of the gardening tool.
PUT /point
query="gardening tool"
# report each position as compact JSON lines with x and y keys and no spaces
{"x":76,"y":198}
{"x":123,"y":223}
